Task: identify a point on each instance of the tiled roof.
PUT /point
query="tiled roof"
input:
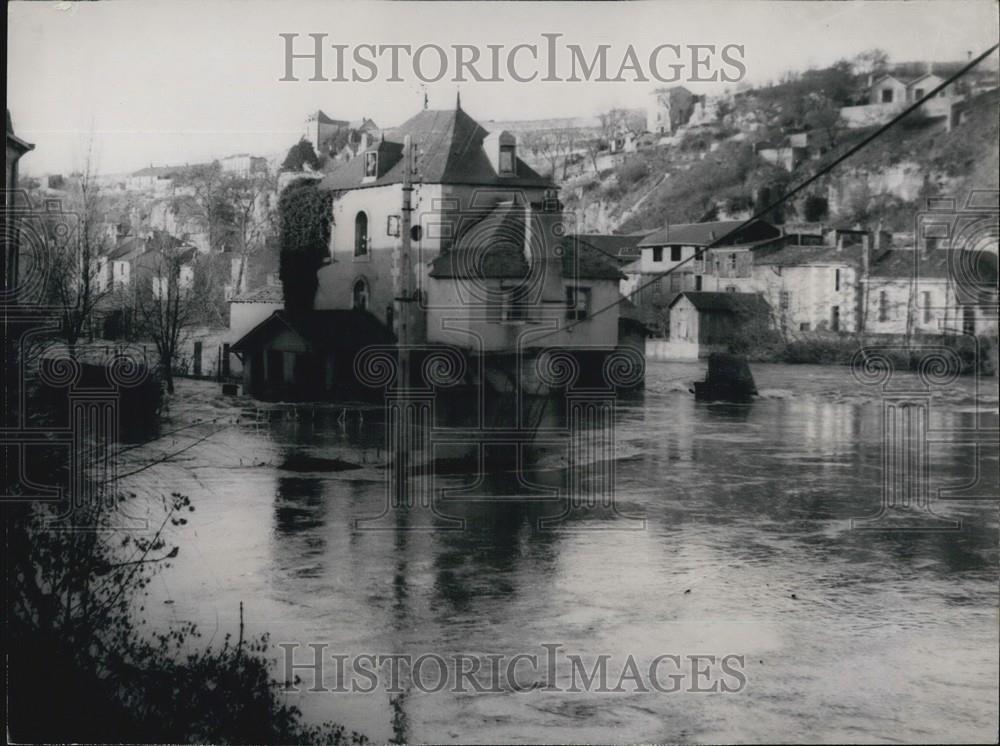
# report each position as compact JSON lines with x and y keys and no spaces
{"x":264,"y":294}
{"x":581,"y":260}
{"x":725,"y":302}
{"x":938,"y":264}
{"x":703,"y":234}
{"x":449,"y":151}
{"x":794,"y":256}
{"x":625,"y":247}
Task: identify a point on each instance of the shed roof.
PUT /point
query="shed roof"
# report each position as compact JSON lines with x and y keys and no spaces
{"x":322,"y":330}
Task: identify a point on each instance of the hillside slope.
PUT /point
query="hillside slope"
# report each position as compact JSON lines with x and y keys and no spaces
{"x":715,"y":172}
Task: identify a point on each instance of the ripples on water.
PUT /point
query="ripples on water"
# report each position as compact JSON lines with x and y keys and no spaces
{"x":745,"y":548}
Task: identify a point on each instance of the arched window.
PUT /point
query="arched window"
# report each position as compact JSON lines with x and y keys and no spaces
{"x":360,"y":295}
{"x":360,"y":234}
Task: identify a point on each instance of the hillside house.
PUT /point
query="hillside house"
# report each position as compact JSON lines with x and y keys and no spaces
{"x":243,"y":164}
{"x":321,"y":128}
{"x":671,"y":108}
{"x":153,"y":179}
{"x":891,"y":93}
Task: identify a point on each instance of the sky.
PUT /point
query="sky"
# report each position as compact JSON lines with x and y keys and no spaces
{"x":157,"y":82}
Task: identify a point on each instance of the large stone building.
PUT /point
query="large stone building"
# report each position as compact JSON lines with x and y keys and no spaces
{"x":491,"y":271}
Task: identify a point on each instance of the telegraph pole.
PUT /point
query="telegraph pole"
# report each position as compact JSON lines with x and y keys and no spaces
{"x":403,"y":284}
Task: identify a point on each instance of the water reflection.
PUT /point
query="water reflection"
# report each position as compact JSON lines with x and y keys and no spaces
{"x":747,"y":548}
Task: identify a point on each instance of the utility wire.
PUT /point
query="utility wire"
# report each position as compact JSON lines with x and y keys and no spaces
{"x":784,"y":198}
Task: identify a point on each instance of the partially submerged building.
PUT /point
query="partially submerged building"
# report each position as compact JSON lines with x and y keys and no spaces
{"x":486,"y":269}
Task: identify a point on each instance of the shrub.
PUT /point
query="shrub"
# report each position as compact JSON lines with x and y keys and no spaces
{"x":631,"y":172}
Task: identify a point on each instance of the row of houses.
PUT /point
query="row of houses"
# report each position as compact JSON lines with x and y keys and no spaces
{"x":845,"y":281}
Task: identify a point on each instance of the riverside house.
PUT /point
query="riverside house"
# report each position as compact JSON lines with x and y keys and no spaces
{"x":494,"y":274}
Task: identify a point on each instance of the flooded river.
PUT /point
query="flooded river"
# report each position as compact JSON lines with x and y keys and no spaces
{"x":731,"y":534}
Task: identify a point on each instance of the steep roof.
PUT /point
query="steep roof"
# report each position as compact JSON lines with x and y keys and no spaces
{"x":322,"y":118}
{"x":449,"y":151}
{"x":703,"y":234}
{"x":323,"y":330}
{"x":15,"y":141}
{"x":724,"y":302}
{"x":127,"y":248}
{"x":494,"y":248}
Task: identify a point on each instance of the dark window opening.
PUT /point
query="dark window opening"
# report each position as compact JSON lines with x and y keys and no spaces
{"x":371,"y":164}
{"x":577,"y":303}
{"x":360,"y":234}
{"x":657,"y":253}
{"x":507,"y":160}
{"x":675,"y":253}
{"x":360,"y":295}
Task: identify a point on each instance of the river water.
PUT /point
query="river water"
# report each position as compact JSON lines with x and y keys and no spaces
{"x":731,"y":534}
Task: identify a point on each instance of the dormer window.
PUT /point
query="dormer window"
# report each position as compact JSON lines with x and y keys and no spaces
{"x":371,"y":164}
{"x":506,"y":160}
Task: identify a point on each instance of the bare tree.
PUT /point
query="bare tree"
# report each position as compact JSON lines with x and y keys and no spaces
{"x":75,"y":242}
{"x":168,"y":302}
{"x":252,"y":201}
{"x":553,"y":146}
